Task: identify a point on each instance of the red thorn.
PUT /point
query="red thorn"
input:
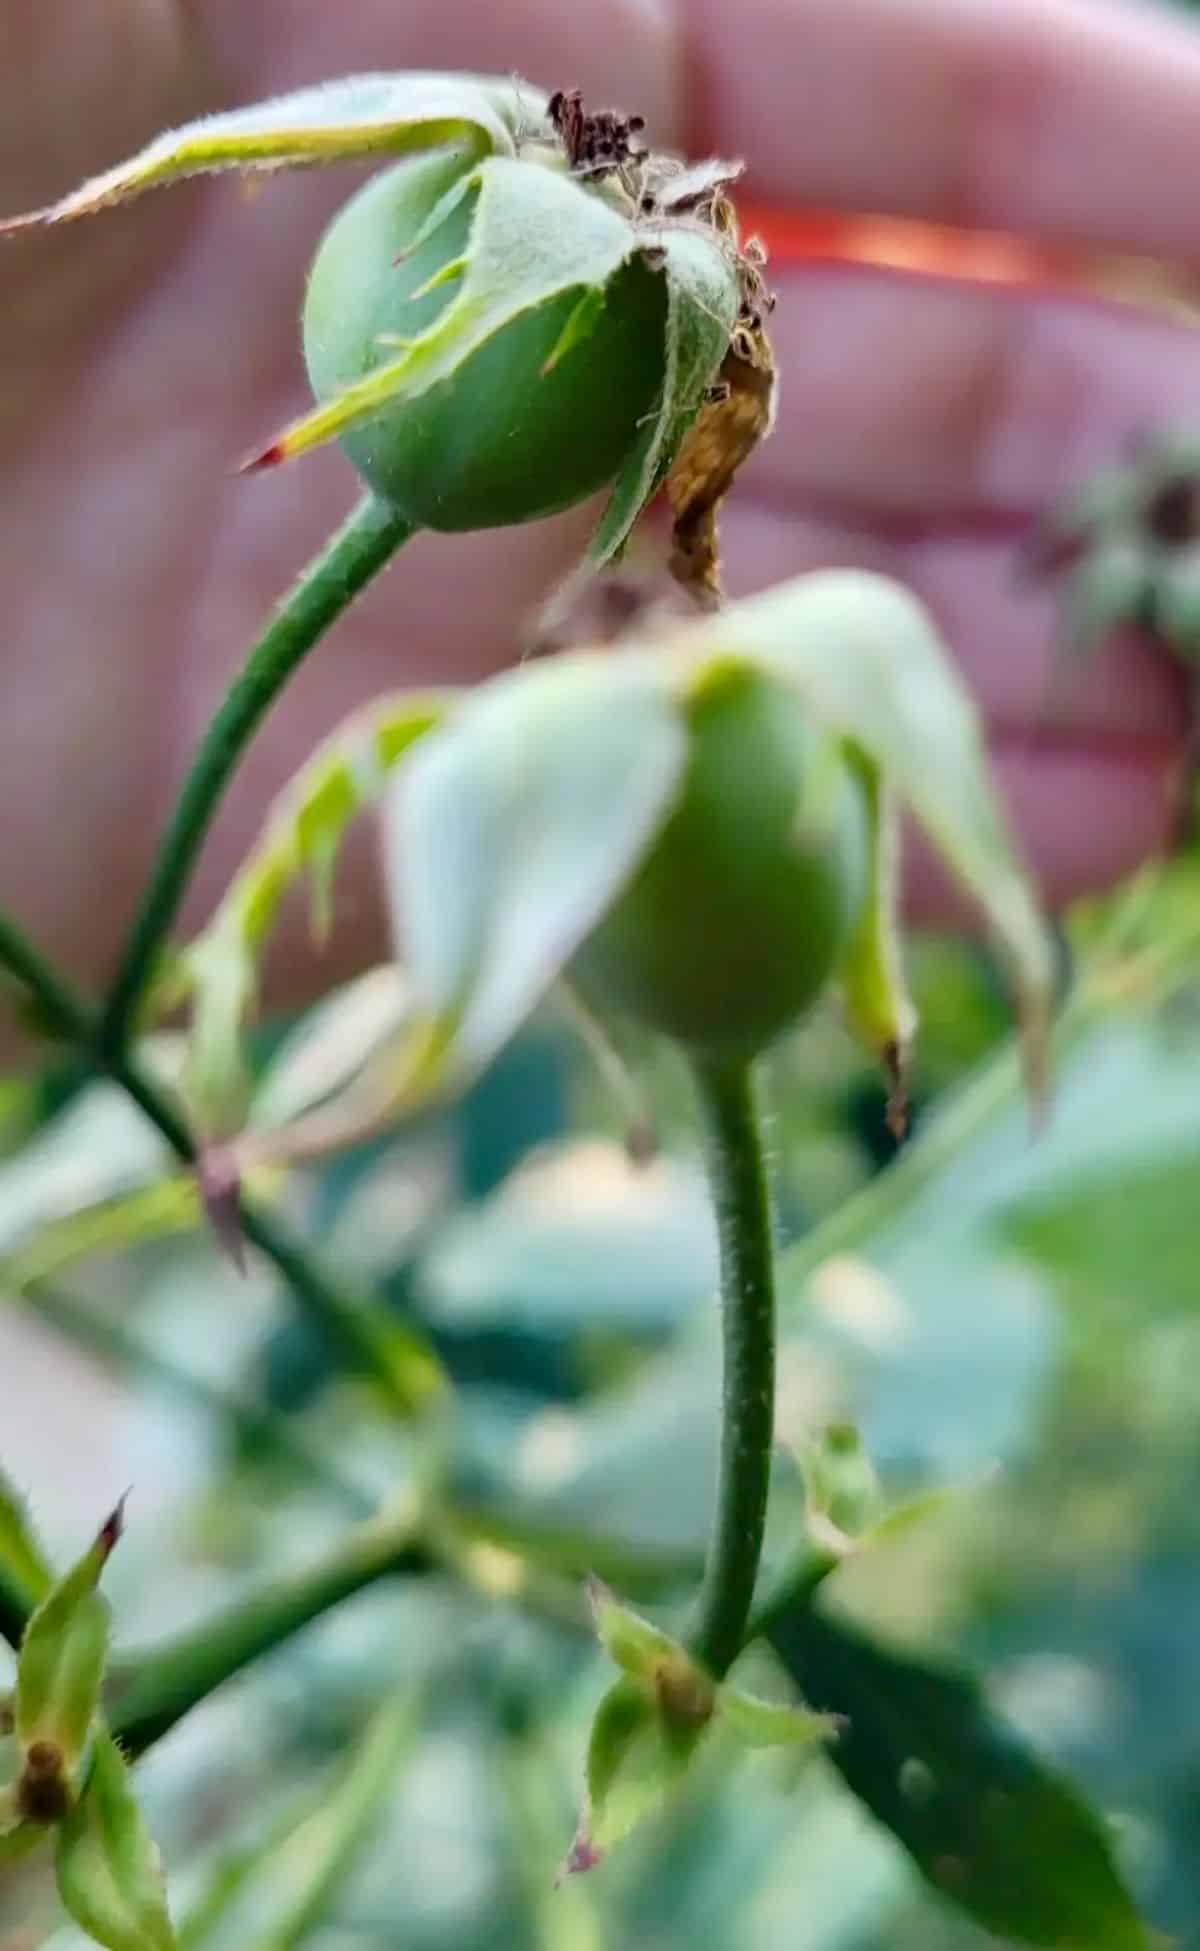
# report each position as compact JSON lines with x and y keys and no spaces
{"x":270,"y":456}
{"x":581,"y":1857}
{"x":110,"y":1531}
{"x":219,"y":1178}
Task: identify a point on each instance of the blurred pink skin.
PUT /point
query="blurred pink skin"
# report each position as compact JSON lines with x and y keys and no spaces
{"x":921,"y":423}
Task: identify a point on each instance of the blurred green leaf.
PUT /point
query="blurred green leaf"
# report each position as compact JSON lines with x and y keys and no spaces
{"x":1099,"y":1230}
{"x":578,"y":1238}
{"x":987,"y":1822}
{"x":867,"y":660}
{"x":99,"y":1148}
{"x":330,"y":1045}
{"x":769,"y":1724}
{"x":112,"y":1226}
{"x":510,"y":829}
{"x":25,"y":1575}
{"x":303,"y":832}
{"x":275,"y":1894}
{"x":109,"y":1875}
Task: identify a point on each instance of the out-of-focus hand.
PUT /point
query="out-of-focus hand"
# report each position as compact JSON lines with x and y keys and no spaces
{"x":921,"y":422}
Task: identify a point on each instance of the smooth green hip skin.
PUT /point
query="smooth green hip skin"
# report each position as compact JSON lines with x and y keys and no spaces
{"x":735,"y":922}
{"x":502,"y":441}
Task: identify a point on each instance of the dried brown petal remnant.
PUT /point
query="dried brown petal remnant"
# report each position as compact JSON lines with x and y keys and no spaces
{"x":736,"y":416}
{"x":739,"y":409}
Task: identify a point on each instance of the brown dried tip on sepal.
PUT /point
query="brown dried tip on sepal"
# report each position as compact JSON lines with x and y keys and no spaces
{"x":897,"y":1114}
{"x":581,"y":1857}
{"x":219,"y":1180}
{"x":110,"y":1533}
{"x":43,"y":1793}
{"x":738,"y":413}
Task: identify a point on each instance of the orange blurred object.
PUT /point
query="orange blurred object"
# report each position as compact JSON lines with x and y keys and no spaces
{"x":977,"y":257}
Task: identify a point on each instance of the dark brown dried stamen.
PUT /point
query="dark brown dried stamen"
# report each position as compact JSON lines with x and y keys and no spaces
{"x":595,"y":144}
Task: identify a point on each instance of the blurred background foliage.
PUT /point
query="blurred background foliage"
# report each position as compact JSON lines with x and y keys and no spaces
{"x":1009,"y":1316}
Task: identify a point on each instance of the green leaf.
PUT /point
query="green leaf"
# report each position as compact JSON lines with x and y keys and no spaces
{"x":577,"y":1240}
{"x":361,"y":115}
{"x":111,"y":1226}
{"x":63,"y":1654}
{"x":19,"y":1840}
{"x":320,"y":1853}
{"x":867,"y":660}
{"x":303,"y":832}
{"x":987,"y":1822}
{"x":109,"y":1875}
{"x":534,"y":235}
{"x":509,"y":832}
{"x":702,"y":302}
{"x":273,"y":1894}
{"x":99,"y":1148}
{"x":25,"y":1575}
{"x":770,"y":1724}
{"x":329,"y":1047}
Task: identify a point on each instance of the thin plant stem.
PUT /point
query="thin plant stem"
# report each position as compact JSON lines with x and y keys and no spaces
{"x":62,"y":1012}
{"x":367,"y":540}
{"x":396,"y":1357}
{"x":738,"y":1178}
{"x":157,"y":1687}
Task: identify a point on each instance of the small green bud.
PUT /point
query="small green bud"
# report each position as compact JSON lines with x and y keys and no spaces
{"x":843,"y":1489}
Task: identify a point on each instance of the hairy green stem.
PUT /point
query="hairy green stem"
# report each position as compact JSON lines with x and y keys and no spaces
{"x":738,"y":1177}
{"x":367,"y":540}
{"x":156,"y":1688}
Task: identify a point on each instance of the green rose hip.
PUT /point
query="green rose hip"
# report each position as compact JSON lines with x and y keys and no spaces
{"x":528,"y":424}
{"x":737,"y":918}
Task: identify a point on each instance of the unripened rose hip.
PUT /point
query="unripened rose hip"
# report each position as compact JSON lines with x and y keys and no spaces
{"x":531,"y":422}
{"x":736,"y":919}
